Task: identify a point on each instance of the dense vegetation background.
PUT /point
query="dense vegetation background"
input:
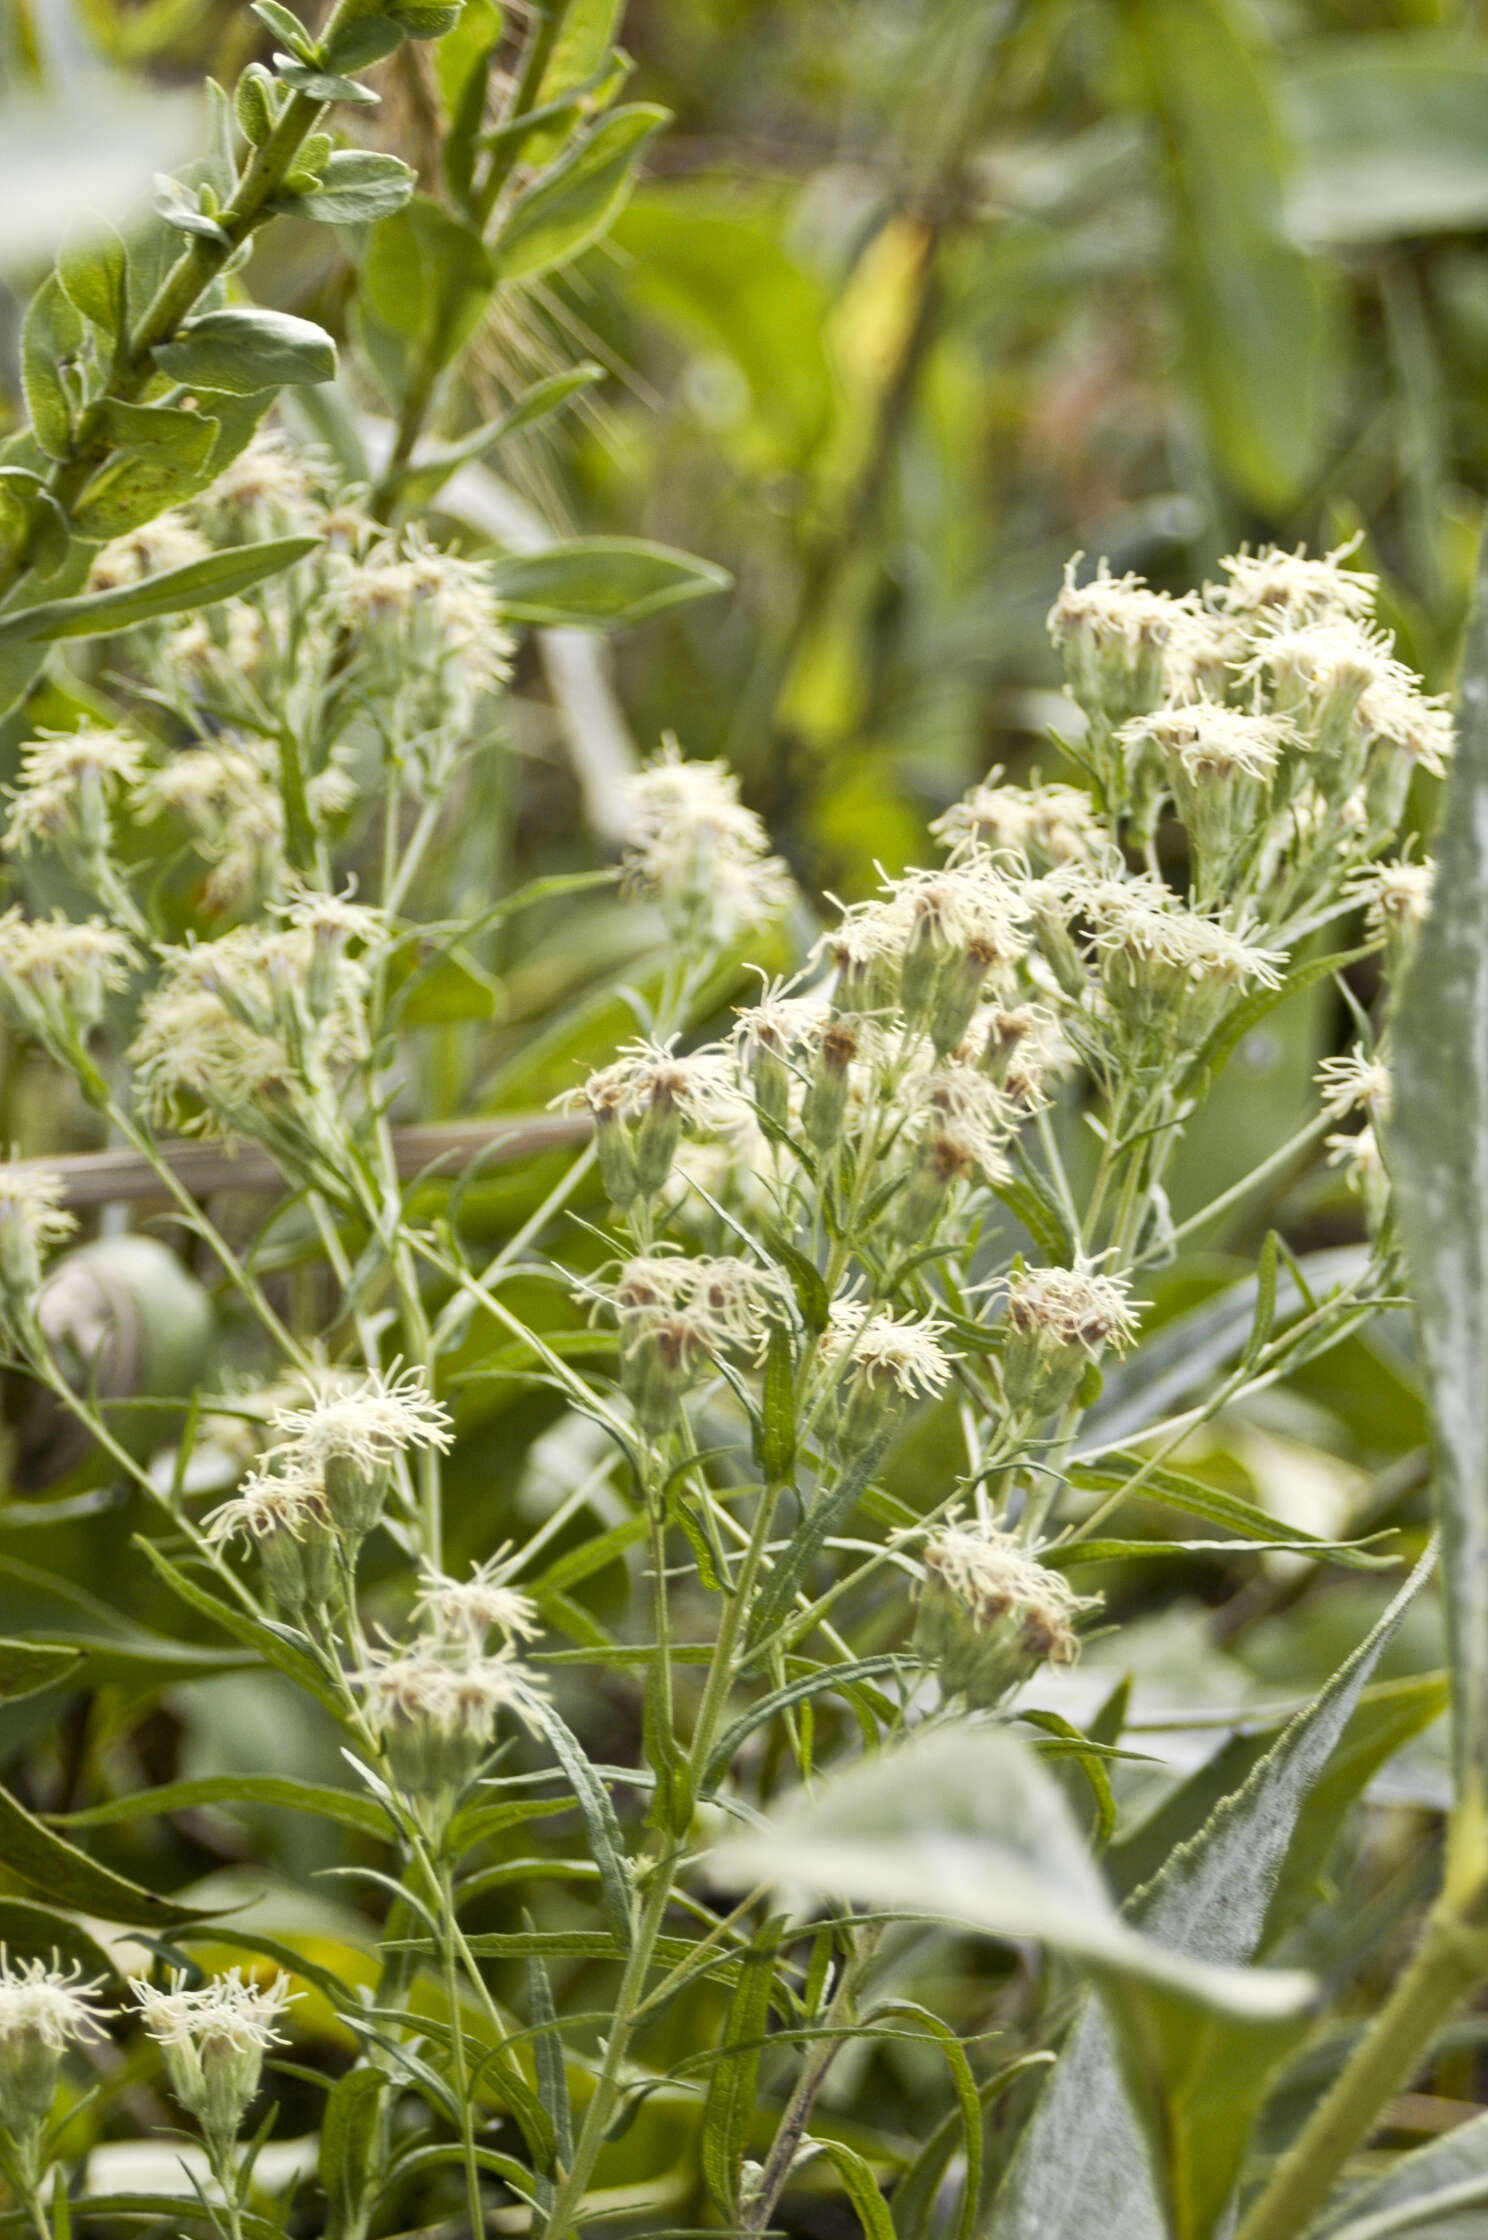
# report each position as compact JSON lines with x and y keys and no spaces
{"x":914,"y":300}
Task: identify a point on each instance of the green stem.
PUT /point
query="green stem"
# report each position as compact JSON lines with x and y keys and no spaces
{"x":196,"y":267}
{"x":1451,"y":1960}
{"x":445,"y":1894}
{"x":792,"y":2125}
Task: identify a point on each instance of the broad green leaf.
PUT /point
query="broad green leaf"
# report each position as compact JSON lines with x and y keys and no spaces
{"x":964,"y":1825}
{"x":1390,"y":140}
{"x":356,"y":187}
{"x":427,"y":279}
{"x":201,"y":583}
{"x":245,"y":350}
{"x":728,"y":2108}
{"x":601,"y":582}
{"x":1249,"y":298}
{"x":58,"y":1870}
{"x":168,"y":465}
{"x":26,"y":1667}
{"x":51,"y":335}
{"x":1438,"y":2193}
{"x":323,"y":85}
{"x":93,"y":268}
{"x":1439,"y":1148}
{"x":1081,"y":2165}
{"x":575,"y":201}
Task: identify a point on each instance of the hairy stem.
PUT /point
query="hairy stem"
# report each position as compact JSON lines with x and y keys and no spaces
{"x":1451,"y":1960}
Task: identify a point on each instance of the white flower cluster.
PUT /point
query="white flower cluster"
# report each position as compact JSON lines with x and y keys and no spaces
{"x":694,"y":846}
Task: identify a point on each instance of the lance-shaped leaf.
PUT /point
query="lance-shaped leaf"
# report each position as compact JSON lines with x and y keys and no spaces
{"x":601,"y":582}
{"x":1440,"y":2191}
{"x":201,"y":583}
{"x":1081,"y":2165}
{"x":1439,"y":1151}
{"x":964,"y":1825}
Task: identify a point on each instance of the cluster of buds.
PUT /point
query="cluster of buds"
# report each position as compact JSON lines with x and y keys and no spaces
{"x":989,"y":1615}
{"x":43,"y":2011}
{"x":1041,"y":826}
{"x":958,"y":1126}
{"x":253,"y":1033}
{"x":435,"y":1706}
{"x":228,"y":799}
{"x":640,"y":1106}
{"x":213,"y":2040}
{"x":310,"y":1502}
{"x":32,"y":1220}
{"x":693,"y":846}
{"x":676,"y":1316}
{"x":57,"y":974}
{"x":427,"y":630}
{"x":70,"y":785}
{"x":875,"y":1362}
{"x":1057,"y":1323}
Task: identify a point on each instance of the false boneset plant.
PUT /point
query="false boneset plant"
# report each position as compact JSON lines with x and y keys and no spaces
{"x":922,"y":1176}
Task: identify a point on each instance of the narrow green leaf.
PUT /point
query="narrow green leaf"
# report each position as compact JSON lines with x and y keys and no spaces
{"x":807,"y":1280}
{"x":579,"y":197}
{"x":243,"y":350}
{"x":728,"y":2109}
{"x":552,"y":2077}
{"x":1439,"y":1146}
{"x":606,"y":1844}
{"x":601,"y":582}
{"x":60,"y":1871}
{"x":341,"y":1806}
{"x":860,"y":2186}
{"x":826,"y":1679}
{"x":294,"y":1663}
{"x":285,"y":25}
{"x":201,"y":583}
{"x":776,"y":1439}
{"x":1174,"y":1489}
{"x":1250,"y":299}
{"x":348,"y":2135}
{"x":26,"y":1667}
{"x":1246,"y":1015}
{"x":828,"y":1513}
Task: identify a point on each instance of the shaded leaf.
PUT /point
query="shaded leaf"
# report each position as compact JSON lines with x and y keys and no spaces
{"x":576,"y":200}
{"x":201,"y":583}
{"x":601,"y":582}
{"x":244,"y":350}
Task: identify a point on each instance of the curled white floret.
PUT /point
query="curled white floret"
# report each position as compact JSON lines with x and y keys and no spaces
{"x":696,"y":847}
{"x":1396,"y":896}
{"x":1207,"y":739}
{"x":1139,"y":920}
{"x":1354,"y":1082}
{"x":905,"y":1351}
{"x":1072,"y":1307}
{"x":370,"y":1420}
{"x":229,"y":2013}
{"x":286,"y":1494}
{"x":699,"y":1086}
{"x":1302,"y":588}
{"x":60,"y":772}
{"x":1058,"y":824}
{"x":1115,"y":610}
{"x":54,"y":2005}
{"x":468,"y":1610}
{"x":31,"y":1197}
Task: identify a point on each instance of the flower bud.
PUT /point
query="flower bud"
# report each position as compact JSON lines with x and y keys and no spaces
{"x":1059,"y":1320}
{"x":213,"y":2042}
{"x":661,"y":1354}
{"x":825,"y":1107}
{"x":989,"y":1615}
